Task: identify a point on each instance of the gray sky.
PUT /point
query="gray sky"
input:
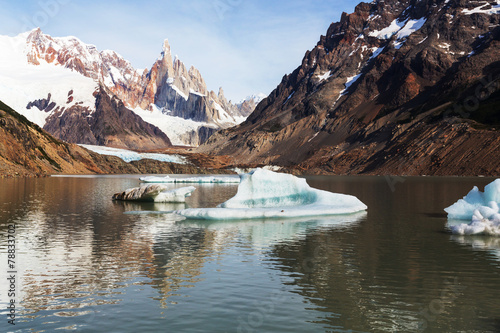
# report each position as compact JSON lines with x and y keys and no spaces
{"x":244,"y":46}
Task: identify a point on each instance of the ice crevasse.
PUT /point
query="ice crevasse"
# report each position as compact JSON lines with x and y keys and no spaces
{"x":480,"y":208}
{"x":266,"y":194}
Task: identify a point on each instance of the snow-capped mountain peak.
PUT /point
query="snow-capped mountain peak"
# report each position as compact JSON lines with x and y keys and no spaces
{"x":168,"y":86}
{"x":256,"y":98}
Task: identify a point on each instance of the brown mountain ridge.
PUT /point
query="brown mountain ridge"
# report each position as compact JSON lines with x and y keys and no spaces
{"x":397,"y":87}
{"x":28,"y":150}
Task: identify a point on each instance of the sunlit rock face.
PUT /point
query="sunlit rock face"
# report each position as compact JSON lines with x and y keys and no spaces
{"x":169,"y":95}
{"x":396,"y":87}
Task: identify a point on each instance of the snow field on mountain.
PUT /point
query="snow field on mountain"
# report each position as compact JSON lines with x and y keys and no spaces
{"x":21,"y":82}
{"x":129,"y":156}
{"x":176,"y":128}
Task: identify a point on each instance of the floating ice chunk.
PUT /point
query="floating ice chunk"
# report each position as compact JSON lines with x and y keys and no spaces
{"x":266,"y":194}
{"x":492,"y":191}
{"x":479,"y":225}
{"x":196,"y":180}
{"x":464,"y":208}
{"x":478,"y":207}
{"x":155,"y":193}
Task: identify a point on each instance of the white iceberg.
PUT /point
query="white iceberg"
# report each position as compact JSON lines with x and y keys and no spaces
{"x":155,"y":193}
{"x":478,"y":207}
{"x":195,"y":180}
{"x":264,"y":194}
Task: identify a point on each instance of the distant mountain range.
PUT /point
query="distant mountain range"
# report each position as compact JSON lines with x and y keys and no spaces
{"x":82,"y":95}
{"x":397,"y":87}
{"x":26,"y":150}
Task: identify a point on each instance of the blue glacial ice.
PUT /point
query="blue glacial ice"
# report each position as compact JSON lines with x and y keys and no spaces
{"x":129,"y":156}
{"x":266,"y":194}
{"x":192,"y":180}
{"x":480,"y":208}
{"x":155,"y":193}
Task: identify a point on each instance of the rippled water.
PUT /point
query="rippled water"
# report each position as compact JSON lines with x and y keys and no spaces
{"x":88,"y":264}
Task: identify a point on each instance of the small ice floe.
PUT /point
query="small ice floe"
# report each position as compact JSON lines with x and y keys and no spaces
{"x":266,"y":194}
{"x":481,"y":209}
{"x":192,"y":180}
{"x":155,"y":193}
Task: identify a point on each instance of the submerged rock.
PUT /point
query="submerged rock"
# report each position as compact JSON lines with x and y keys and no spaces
{"x":155,"y":193}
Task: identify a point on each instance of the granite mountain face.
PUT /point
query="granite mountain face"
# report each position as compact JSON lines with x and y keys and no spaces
{"x":167,"y":103}
{"x":400,"y":87}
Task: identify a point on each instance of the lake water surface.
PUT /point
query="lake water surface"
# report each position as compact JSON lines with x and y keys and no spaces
{"x":88,"y":264}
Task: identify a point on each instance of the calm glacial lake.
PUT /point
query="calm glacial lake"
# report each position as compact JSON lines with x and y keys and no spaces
{"x":83,"y":264}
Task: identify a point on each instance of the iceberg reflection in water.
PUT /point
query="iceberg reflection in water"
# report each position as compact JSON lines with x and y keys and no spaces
{"x":265,"y":232}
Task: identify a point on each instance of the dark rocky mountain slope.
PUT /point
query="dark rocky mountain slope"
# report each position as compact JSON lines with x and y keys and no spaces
{"x":110,"y":124}
{"x":28,"y":150}
{"x":397,"y":87}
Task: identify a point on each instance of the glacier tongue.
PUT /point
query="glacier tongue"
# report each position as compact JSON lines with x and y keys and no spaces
{"x":267,"y":194}
{"x":478,"y":207}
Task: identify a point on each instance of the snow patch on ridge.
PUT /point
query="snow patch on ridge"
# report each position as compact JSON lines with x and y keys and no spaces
{"x":350,"y":81}
{"x":410,"y":27}
{"x":389,"y":31}
{"x":401,"y":29}
{"x":482,"y":9}
{"x":324,"y":76}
